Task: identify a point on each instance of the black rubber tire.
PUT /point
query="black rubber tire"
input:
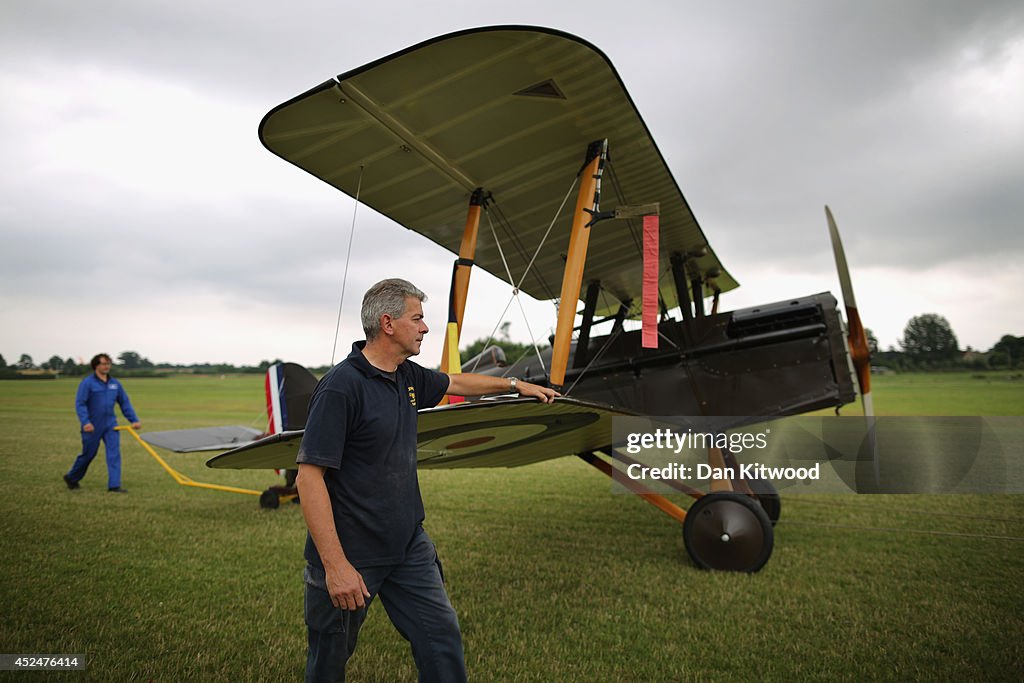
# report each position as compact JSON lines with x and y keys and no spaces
{"x":270,"y":500}
{"x":728,"y":532}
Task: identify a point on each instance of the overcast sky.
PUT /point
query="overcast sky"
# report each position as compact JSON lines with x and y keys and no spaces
{"x":139,"y":211}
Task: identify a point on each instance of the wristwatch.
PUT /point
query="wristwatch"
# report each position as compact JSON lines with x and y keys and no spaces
{"x":512,"y":384}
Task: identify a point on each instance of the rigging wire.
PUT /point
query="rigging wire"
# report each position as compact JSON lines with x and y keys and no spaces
{"x":621,"y":196}
{"x":516,"y":286}
{"x":609,"y":341}
{"x":501,"y":252}
{"x":348,"y":256}
{"x":491,"y":337}
{"x":260,"y":421}
{"x":550,"y":226}
{"x":516,"y":290}
{"x":612,"y":338}
{"x":515,"y":295}
{"x":593,"y":360}
{"x":630,"y":222}
{"x":530,"y":332}
{"x":510,"y":366}
{"x":520,"y":248}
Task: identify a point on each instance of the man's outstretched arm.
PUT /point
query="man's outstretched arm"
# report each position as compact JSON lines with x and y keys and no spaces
{"x":472,"y":384}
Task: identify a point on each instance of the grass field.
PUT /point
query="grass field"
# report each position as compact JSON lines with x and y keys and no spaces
{"x":554,"y":578}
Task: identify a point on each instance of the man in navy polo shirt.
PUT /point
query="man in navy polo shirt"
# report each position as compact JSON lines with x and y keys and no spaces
{"x":361,"y":498}
{"x":94,"y":403}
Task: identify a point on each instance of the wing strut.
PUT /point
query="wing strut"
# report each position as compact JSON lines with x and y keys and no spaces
{"x":698,"y":295}
{"x":459,"y":290}
{"x":587,"y":202}
{"x":682,"y":293}
{"x":657,"y":500}
{"x":582,"y":354}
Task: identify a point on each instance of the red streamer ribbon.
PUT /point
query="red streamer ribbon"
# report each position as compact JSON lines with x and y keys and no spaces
{"x":649,"y":338}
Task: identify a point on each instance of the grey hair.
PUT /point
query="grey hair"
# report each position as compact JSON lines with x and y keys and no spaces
{"x":387,"y":297}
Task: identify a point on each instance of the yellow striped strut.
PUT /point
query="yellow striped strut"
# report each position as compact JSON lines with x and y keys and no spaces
{"x":459,"y":290}
{"x":454,"y":365}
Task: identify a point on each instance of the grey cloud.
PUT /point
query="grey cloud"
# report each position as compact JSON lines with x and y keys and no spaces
{"x":765,"y":112}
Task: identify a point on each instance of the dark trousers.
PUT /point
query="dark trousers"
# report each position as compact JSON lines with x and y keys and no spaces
{"x":90,"y":446}
{"x":414,"y":597}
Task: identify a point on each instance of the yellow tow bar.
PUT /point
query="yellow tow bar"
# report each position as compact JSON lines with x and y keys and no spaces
{"x":181,"y":478}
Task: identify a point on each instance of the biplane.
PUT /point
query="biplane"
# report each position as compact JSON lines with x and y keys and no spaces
{"x":478,"y":140}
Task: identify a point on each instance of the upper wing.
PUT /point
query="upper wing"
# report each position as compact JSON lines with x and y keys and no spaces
{"x":508,"y":109}
{"x":498,"y":433}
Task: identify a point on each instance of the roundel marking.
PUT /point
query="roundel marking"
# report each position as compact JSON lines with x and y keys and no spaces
{"x":448,"y":444}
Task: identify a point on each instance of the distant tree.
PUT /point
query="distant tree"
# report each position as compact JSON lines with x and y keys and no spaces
{"x":55,"y":363}
{"x":929,"y":339}
{"x":130,"y":360}
{"x":3,"y":363}
{"x":70,"y":367}
{"x":513,"y":350}
{"x":872,"y":340}
{"x":25,"y":362}
{"x":1008,"y":351}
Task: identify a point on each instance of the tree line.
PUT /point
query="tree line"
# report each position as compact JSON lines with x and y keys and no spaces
{"x":928,"y":343}
{"x":127,"y":364}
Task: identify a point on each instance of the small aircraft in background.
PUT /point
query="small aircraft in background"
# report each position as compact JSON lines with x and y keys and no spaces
{"x":507,"y":123}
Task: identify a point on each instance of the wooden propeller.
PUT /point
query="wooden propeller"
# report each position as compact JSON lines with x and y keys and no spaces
{"x":856,"y":337}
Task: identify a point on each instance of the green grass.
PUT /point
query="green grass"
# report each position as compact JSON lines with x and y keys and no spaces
{"x":945,"y":393}
{"x":554,"y":577}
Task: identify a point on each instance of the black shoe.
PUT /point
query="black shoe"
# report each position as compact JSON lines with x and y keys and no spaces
{"x":71,"y":484}
{"x":116,"y":489}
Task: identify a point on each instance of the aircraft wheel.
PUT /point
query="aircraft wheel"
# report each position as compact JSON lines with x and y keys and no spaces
{"x":768,"y":497}
{"x":728,"y":531}
{"x":270,"y":500}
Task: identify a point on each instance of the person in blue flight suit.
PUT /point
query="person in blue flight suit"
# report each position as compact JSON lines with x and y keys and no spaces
{"x":94,"y":404}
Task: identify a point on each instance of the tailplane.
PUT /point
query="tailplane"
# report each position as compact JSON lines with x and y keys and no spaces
{"x":289,"y":387}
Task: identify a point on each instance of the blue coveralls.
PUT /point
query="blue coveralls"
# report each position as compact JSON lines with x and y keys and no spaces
{"x":94,"y":403}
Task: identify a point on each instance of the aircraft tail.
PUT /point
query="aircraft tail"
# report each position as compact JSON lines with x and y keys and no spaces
{"x":289,"y":387}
